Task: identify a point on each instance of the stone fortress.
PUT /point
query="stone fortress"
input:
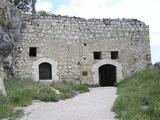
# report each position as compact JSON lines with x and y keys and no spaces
{"x":95,"y":51}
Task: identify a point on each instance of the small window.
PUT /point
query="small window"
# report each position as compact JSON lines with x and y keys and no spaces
{"x":33,"y":51}
{"x":97,"y":55}
{"x":114,"y":54}
{"x":84,"y":73}
{"x":85,"y":44}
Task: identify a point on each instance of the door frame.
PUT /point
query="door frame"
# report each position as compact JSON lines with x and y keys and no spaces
{"x":95,"y":69}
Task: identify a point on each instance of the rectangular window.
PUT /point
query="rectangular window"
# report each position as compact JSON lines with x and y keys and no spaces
{"x":33,"y":51}
{"x":114,"y":55}
{"x":84,"y":73}
{"x":85,"y":44}
{"x":97,"y":55}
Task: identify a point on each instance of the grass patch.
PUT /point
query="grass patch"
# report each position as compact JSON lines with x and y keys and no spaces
{"x":70,"y":89}
{"x":22,"y":92}
{"x":47,"y":94}
{"x":139,"y":97}
{"x":81,"y":88}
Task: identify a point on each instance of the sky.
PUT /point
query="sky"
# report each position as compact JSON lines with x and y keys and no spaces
{"x":144,"y":10}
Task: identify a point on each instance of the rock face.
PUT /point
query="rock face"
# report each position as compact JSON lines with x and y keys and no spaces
{"x":157,"y":65}
{"x":6,"y":37}
{"x":6,"y":45}
{"x":2,"y":87}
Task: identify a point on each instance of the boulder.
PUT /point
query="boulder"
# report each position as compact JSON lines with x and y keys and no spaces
{"x":157,"y":65}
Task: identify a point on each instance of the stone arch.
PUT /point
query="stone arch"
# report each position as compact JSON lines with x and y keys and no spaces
{"x":53,"y":64}
{"x":95,"y":69}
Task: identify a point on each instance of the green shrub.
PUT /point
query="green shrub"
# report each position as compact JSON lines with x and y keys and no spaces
{"x":21,"y":97}
{"x":65,"y":88}
{"x":43,"y":13}
{"x":81,"y":88}
{"x":23,"y":24}
{"x":4,"y":21}
{"x":8,"y":24}
{"x":47,"y":94}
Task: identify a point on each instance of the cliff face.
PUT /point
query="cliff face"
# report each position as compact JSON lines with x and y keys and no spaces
{"x":9,"y":33}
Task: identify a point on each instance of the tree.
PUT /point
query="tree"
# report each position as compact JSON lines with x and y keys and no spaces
{"x":25,"y":5}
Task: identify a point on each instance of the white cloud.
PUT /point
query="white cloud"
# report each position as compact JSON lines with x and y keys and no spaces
{"x":156,"y":55}
{"x":46,"y":6}
{"x":155,"y":40}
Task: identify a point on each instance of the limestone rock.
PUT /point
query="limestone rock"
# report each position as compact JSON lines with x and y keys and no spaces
{"x":157,"y":65}
{"x":6,"y":45}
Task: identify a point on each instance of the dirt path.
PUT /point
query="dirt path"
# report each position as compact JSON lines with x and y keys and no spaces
{"x":94,"y":105}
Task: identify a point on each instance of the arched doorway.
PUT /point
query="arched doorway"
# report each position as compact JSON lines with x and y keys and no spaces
{"x":45,"y":71}
{"x":96,"y":66}
{"x":107,"y":75}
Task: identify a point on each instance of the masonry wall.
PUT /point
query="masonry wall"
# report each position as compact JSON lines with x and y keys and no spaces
{"x":71,"y":41}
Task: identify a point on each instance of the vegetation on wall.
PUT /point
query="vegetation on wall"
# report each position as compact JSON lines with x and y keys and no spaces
{"x":22,"y":92}
{"x":4,"y":20}
{"x":23,"y":24}
{"x":43,"y":13}
{"x":25,"y":5}
{"x":139,"y":97}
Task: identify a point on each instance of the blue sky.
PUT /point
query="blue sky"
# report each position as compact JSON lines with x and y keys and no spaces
{"x":145,"y":10}
{"x":55,"y":3}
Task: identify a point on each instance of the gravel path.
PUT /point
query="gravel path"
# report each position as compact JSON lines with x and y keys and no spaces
{"x":94,"y":105}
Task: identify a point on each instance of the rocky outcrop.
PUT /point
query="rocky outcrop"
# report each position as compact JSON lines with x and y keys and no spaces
{"x":6,"y":46}
{"x":157,"y":65}
{"x":2,"y":87}
{"x":6,"y":38}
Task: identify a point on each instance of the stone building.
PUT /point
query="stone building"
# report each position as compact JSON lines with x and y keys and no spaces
{"x":95,"y":51}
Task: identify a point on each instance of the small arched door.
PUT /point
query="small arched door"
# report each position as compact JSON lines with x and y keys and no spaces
{"x":107,"y":75}
{"x":45,"y":71}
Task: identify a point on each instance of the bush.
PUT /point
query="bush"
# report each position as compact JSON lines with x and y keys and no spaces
{"x":81,"y":88}
{"x":65,"y":88}
{"x":47,"y":94}
{"x":21,"y":97}
{"x":23,"y":24}
{"x":43,"y":13}
{"x":4,"y":21}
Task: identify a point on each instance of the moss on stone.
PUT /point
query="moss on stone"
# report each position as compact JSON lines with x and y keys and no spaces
{"x":4,"y":21}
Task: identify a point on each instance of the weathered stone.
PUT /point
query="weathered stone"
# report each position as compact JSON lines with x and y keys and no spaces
{"x":157,"y":65}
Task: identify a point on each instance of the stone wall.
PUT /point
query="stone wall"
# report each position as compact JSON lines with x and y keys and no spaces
{"x":71,"y":42}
